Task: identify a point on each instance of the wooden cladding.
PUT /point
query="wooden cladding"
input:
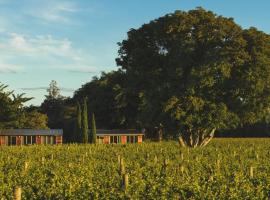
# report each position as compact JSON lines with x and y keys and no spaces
{"x":140,"y":139}
{"x":58,"y":139}
{"x":123,"y":139}
{"x":2,"y":140}
{"x":19,"y":140}
{"x":106,"y":140}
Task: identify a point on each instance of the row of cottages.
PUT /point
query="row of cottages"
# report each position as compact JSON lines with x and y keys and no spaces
{"x":30,"y":136}
{"x":119,"y":136}
{"x":55,"y":136}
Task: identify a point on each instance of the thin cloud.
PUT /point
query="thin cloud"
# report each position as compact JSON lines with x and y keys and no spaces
{"x":53,"y":11}
{"x":89,"y":71}
{"x":9,"y":68}
{"x":46,"y":50}
{"x":63,"y":89}
{"x":11,"y":71}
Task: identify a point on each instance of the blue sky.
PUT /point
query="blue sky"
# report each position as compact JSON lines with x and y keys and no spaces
{"x":72,"y":41}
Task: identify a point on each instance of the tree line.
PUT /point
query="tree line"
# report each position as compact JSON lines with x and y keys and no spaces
{"x":190,"y":74}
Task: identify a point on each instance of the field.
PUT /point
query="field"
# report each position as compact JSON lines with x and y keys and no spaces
{"x":225,"y":169}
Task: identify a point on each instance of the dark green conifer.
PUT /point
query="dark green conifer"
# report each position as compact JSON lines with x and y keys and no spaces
{"x":85,"y":121}
{"x":93,"y":130}
{"x":78,"y":133}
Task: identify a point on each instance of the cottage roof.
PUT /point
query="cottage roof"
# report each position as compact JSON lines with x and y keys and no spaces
{"x":22,"y":132}
{"x":113,"y":132}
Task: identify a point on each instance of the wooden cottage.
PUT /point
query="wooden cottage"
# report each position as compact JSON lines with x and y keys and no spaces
{"x":119,"y":136}
{"x":30,"y":136}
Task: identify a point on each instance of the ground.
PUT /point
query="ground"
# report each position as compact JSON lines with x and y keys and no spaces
{"x":225,"y":169}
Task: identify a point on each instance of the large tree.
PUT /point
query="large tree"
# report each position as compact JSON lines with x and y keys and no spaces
{"x":197,"y":72}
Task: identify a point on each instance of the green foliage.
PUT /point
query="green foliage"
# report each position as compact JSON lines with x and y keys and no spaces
{"x":114,"y":106}
{"x":61,"y":112}
{"x":85,"y":121}
{"x":34,"y":120}
{"x":13,"y":114}
{"x":197,"y":72}
{"x":78,"y":126}
{"x":53,"y":91}
{"x":221,"y":170}
{"x":93,"y":130}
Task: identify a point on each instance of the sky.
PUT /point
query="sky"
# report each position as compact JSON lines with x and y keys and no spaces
{"x":72,"y":41}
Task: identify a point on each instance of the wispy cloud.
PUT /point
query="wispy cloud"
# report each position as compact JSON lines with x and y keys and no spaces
{"x":46,"y":50}
{"x":39,"y":44}
{"x":63,"y":89}
{"x":52,"y":11}
{"x":9,"y":68}
{"x":89,"y":71}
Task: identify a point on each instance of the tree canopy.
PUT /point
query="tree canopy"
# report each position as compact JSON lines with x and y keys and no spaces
{"x":13,"y":113}
{"x":198,"y":72}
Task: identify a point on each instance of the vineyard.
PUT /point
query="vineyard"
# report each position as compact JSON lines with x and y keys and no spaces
{"x":225,"y":169}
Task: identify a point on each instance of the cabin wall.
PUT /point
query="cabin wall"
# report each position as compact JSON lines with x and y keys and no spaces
{"x":38,"y":139}
{"x":123,"y":139}
{"x":19,"y":140}
{"x":140,"y":139}
{"x":2,"y":140}
{"x":106,"y":140}
{"x":58,"y":139}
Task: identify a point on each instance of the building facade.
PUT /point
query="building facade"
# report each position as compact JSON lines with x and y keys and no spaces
{"x":30,"y":136}
{"x":119,"y":136}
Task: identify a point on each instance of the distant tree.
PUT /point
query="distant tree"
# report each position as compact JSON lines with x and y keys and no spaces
{"x":197,"y":72}
{"x":55,"y":106}
{"x":93,"y":130}
{"x":53,"y":91}
{"x":85,"y":121}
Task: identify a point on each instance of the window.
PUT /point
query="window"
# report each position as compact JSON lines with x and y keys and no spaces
{"x":43,"y":139}
{"x":33,"y":139}
{"x":51,"y":139}
{"x":100,"y":139}
{"x":131,"y":139}
{"x":12,"y":140}
{"x":115,"y":139}
{"x":48,"y":139}
{"x":27,"y":139}
{"x":119,"y":139}
{"x":111,"y":139}
{"x":54,"y":139}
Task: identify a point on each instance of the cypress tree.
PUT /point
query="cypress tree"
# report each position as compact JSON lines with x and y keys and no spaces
{"x":78,"y":133}
{"x":93,"y":130}
{"x":85,"y":122}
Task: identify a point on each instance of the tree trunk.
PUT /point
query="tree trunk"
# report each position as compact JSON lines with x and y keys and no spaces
{"x":196,"y":139}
